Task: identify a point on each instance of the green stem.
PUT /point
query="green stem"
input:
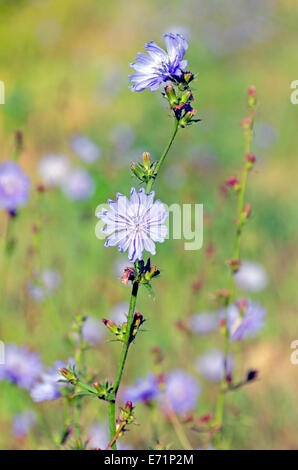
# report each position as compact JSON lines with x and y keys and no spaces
{"x":219,"y":416}
{"x":127,"y":341}
{"x":162,"y":158}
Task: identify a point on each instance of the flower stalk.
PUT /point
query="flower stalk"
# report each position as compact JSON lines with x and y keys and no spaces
{"x":243,"y":212}
{"x":125,"y":348}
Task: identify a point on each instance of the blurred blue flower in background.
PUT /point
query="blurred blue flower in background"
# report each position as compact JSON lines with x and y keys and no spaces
{"x":146,"y":389}
{"x":23,"y":423}
{"x":93,"y":331}
{"x":211,"y":365}
{"x":14,"y":186}
{"x":182,"y":391}
{"x":159,"y":66}
{"x":87,"y":150}
{"x":53,"y":168}
{"x":251,"y":276}
{"x":203,"y":323}
{"x":119,"y":312}
{"x":45,"y":284}
{"x":49,"y":386}
{"x":79,"y":185}
{"x":246,"y":322}
{"x":22,"y":367}
{"x":98,"y":437}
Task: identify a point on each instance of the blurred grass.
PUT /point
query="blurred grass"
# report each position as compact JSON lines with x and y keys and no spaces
{"x":65,"y":68}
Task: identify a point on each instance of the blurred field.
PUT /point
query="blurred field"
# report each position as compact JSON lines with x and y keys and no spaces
{"x":65,"y":68}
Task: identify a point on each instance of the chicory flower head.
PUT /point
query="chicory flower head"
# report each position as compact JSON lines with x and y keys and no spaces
{"x":144,"y":390}
{"x":182,"y":391}
{"x":87,"y":150}
{"x":79,"y":185}
{"x":54,"y":168}
{"x":14,"y":186}
{"x":23,"y":422}
{"x":251,"y":276}
{"x":93,"y":331}
{"x":211,"y":365}
{"x":159,"y":66}
{"x":203,"y":323}
{"x":49,"y":387}
{"x":22,"y":367}
{"x":134,"y":224}
{"x":246,"y":322}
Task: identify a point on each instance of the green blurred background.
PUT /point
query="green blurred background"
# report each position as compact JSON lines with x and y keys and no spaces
{"x":65,"y":68}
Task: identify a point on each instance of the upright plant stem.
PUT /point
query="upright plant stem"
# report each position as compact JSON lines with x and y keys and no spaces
{"x":127,"y":340}
{"x":219,"y":417}
{"x":162,"y":158}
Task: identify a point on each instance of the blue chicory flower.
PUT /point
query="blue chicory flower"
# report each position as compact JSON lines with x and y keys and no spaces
{"x":144,"y":390}
{"x":119,"y":312}
{"x":87,"y":150}
{"x":53,"y":168}
{"x":182,"y":391}
{"x":134,"y":224}
{"x":50,"y":385}
{"x":23,"y":422}
{"x":203,"y":323}
{"x":21,"y":367}
{"x":14,"y":186}
{"x":211,"y":365}
{"x":251,"y":276}
{"x":79,"y":185}
{"x":159,"y":66}
{"x":247,"y":323}
{"x":93,"y":331}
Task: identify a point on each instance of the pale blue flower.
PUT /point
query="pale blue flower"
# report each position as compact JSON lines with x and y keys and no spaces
{"x":23,"y":422}
{"x":211,"y":365}
{"x":53,"y":168}
{"x":49,"y":386}
{"x":159,"y":66}
{"x":134,"y":224}
{"x":144,"y":390}
{"x":251,"y":276}
{"x":93,"y":331}
{"x":79,"y":185}
{"x":87,"y":150}
{"x":182,"y":391}
{"x":203,"y":323}
{"x":119,"y":312}
{"x":21,"y":367}
{"x":245,"y":324}
{"x":14,"y":186}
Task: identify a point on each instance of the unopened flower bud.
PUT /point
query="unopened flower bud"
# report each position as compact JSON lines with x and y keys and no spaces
{"x":246,"y":210}
{"x":110,"y":325}
{"x":223,"y":294}
{"x":233,"y":182}
{"x":242,"y":304}
{"x":18,"y":140}
{"x":128,"y":405}
{"x":252,"y":96}
{"x":252,"y":375}
{"x":146,"y":157}
{"x":187,"y":118}
{"x":188,"y":77}
{"x":250,"y":160}
{"x":234,"y":264}
{"x":129,"y":275}
{"x":187,"y":96}
{"x":153,"y":272}
{"x":68,"y":375}
{"x":170,"y":92}
{"x":246,"y":123}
